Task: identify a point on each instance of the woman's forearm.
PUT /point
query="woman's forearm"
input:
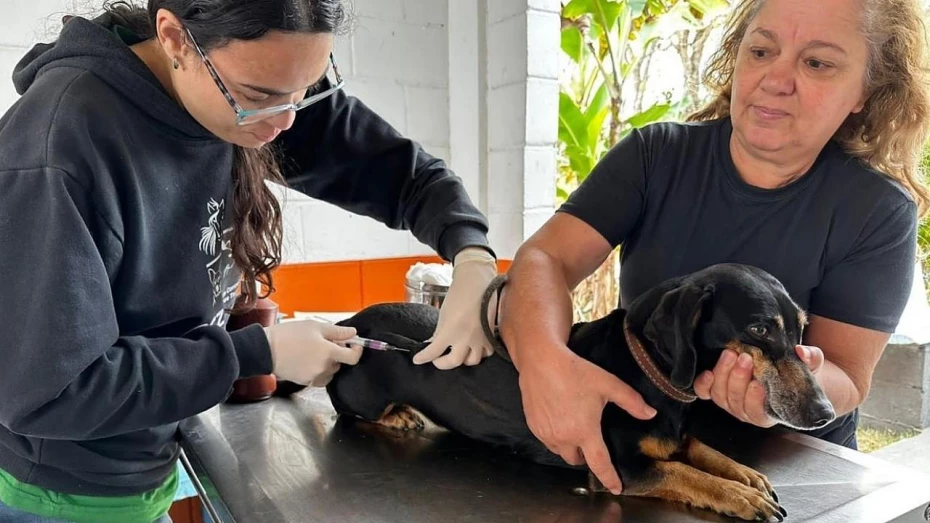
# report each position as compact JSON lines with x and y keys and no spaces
{"x":839,"y":388}
{"x":536,"y":307}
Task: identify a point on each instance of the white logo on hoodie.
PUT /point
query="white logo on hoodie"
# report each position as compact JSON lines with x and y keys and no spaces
{"x":215,"y":242}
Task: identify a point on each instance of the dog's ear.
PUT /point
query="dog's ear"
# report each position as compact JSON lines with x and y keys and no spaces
{"x":671,"y":328}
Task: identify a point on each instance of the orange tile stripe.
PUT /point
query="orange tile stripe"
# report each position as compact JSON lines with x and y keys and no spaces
{"x":345,"y":285}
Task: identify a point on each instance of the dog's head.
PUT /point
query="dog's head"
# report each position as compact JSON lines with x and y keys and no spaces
{"x":690,"y":321}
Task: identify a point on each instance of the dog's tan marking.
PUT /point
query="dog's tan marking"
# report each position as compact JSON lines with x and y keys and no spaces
{"x":401,"y":417}
{"x":387,"y":411}
{"x":676,"y":481}
{"x":802,"y":318}
{"x":780,"y":321}
{"x":762,"y":366}
{"x":658,"y":448}
{"x":738,"y":347}
{"x":787,"y":382}
{"x":791,"y":377}
{"x":702,"y":457}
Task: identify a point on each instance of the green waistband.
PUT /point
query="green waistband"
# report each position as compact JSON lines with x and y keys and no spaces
{"x":141,"y":508}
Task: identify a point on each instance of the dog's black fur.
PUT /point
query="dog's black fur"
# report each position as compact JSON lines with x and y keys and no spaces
{"x":684,"y":323}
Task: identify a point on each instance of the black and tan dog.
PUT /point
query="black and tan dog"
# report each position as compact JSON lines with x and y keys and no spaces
{"x":669,"y":335}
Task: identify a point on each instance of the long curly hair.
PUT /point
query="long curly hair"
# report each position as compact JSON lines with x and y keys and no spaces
{"x":257,"y":222}
{"x":889,"y":133}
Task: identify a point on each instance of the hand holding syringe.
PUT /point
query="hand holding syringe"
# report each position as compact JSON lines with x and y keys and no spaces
{"x":366,"y":343}
{"x":369,"y":343}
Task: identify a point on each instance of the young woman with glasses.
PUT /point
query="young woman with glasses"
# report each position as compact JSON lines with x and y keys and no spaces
{"x":135,"y":215}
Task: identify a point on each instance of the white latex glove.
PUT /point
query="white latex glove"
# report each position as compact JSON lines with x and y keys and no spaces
{"x":308,"y":352}
{"x":458,"y":325}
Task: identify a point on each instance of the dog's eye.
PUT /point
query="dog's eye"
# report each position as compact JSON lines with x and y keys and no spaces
{"x":759,"y":330}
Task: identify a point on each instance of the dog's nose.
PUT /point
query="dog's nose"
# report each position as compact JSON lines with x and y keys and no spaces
{"x":823,"y":413}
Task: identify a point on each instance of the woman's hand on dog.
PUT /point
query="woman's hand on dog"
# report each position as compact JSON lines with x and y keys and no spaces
{"x":731,"y":387}
{"x":812,"y":356}
{"x":564,"y":397}
{"x":459,"y":338}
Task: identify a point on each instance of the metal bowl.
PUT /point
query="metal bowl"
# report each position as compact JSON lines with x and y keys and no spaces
{"x":427,"y":293}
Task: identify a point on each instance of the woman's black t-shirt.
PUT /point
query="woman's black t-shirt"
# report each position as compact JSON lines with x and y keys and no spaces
{"x":842,"y":238}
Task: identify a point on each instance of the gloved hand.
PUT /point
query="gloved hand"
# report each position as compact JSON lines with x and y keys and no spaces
{"x":306,"y":352}
{"x":459,"y":325}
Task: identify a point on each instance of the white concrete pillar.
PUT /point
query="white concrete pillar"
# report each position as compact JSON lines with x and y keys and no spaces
{"x":523,"y":42}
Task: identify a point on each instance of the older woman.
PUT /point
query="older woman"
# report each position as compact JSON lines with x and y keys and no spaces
{"x":806,"y":164}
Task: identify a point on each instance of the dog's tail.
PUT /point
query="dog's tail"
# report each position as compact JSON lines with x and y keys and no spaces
{"x":491,"y":332}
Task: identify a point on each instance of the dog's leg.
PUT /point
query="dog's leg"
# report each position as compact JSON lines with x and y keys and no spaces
{"x":658,"y":476}
{"x":401,"y":417}
{"x":679,"y":482}
{"x":702,"y":457}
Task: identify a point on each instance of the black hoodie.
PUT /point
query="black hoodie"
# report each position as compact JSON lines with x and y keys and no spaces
{"x":115,"y":256}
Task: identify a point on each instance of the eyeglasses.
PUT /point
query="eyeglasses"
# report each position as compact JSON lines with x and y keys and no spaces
{"x":250,"y":116}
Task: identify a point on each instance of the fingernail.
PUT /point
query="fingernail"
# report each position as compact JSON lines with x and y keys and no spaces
{"x":728,"y":357}
{"x":805,"y":352}
{"x":745,"y":361}
{"x":650,"y":412}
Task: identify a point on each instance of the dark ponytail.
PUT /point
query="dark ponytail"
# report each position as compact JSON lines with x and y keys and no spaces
{"x":258,"y":228}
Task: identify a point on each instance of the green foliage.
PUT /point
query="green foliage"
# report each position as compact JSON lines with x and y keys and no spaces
{"x":605,"y":40}
{"x":923,"y":230}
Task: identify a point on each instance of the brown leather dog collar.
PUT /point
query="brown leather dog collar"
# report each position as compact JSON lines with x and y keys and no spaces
{"x":652,"y":370}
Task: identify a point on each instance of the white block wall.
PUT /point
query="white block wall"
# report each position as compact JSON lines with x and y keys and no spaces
{"x":474,"y":81}
{"x":396,"y":60}
{"x":522,"y":105}
{"x":24,"y":23}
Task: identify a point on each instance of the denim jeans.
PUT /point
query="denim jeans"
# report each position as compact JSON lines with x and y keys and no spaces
{"x":12,"y":515}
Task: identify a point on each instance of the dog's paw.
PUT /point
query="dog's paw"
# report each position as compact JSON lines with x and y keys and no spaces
{"x":748,"y":503}
{"x":751,"y":478}
{"x":402,"y":417}
{"x":713,"y":462}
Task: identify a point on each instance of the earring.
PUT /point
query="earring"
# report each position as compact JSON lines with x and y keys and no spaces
{"x":175,"y":64}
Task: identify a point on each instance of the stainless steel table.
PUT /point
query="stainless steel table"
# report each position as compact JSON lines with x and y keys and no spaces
{"x":294,"y":460}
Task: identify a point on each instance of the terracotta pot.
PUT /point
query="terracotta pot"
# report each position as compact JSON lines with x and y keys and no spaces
{"x":261,"y":387}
